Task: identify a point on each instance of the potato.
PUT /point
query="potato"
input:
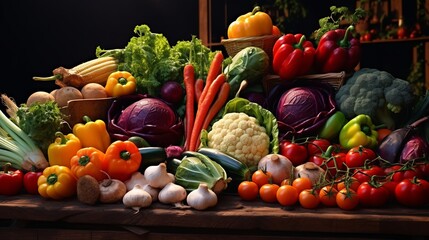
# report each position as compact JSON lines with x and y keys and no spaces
{"x":65,"y":94}
{"x":40,"y":97}
{"x":88,"y":190}
{"x":93,"y":90}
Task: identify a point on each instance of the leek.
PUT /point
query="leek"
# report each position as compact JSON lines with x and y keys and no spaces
{"x":17,"y":148}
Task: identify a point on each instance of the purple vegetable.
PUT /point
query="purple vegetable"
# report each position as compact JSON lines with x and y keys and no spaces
{"x":302,"y":108}
{"x":147,"y":117}
{"x":415,"y":148}
{"x":390,"y":149}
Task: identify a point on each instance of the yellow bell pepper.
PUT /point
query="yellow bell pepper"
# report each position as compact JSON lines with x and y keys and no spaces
{"x":57,"y":182}
{"x":92,"y":133}
{"x":120,"y":83}
{"x":252,"y":24}
{"x":63,"y":149}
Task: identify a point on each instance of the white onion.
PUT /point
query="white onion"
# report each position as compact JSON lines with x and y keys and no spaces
{"x":279,"y":166}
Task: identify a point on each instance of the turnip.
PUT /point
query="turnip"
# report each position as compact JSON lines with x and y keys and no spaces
{"x":172,"y":92}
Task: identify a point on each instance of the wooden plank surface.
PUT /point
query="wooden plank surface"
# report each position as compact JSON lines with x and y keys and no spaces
{"x":231,"y":214}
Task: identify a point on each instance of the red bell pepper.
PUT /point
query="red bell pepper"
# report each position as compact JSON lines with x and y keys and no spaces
{"x":293,"y":56}
{"x":11,"y":181}
{"x":338,"y":51}
{"x":30,"y":182}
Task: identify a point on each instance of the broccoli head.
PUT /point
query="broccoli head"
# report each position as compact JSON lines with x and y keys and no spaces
{"x":375,"y":93}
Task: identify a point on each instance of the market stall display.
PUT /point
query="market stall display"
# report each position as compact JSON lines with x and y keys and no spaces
{"x":181,"y":127}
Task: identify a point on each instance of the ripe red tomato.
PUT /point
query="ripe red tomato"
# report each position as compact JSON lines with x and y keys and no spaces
{"x":390,"y":186}
{"x":261,"y":177}
{"x":295,"y":152}
{"x":357,"y":156}
{"x":327,"y":196}
{"x":30,"y":182}
{"x":424,"y":169}
{"x":268,"y":192}
{"x":309,"y":198}
{"x":318,"y":145}
{"x":404,"y":174}
{"x":412,"y":192}
{"x":302,"y":183}
{"x":382,"y":133}
{"x":287,"y":195}
{"x":347,"y":199}
{"x":364,"y":174}
{"x":248,"y":190}
{"x":371,"y":195}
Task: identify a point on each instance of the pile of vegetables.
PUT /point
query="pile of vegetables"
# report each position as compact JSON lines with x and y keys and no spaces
{"x":182,"y":129}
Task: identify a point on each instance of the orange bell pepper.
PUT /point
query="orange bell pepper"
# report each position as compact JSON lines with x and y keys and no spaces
{"x":92,"y":133}
{"x":57,"y":182}
{"x":120,"y":83}
{"x":252,"y":24}
{"x":63,"y":149}
{"x":88,"y":161}
{"x":123,"y":158}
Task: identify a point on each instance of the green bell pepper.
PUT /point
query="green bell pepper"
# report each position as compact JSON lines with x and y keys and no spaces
{"x":332,"y":127}
{"x":359,"y":131}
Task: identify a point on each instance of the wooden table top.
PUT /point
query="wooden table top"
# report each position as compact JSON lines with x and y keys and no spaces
{"x":231,"y":213}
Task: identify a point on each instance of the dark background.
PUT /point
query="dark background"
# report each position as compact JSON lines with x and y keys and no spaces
{"x":39,"y":36}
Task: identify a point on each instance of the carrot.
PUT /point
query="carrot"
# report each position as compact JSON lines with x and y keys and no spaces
{"x":189,"y":81}
{"x":203,"y":109}
{"x":199,"y":86}
{"x":214,"y":71}
{"x":220,"y":101}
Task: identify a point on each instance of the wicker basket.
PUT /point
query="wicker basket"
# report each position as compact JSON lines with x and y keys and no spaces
{"x":336,"y":80}
{"x":234,"y":45}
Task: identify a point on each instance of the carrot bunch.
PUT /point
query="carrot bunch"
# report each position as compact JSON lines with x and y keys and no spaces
{"x":203,"y":100}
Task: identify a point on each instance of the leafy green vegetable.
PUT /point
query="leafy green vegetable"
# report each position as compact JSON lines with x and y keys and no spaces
{"x":195,"y":53}
{"x":333,"y":21}
{"x":40,"y":121}
{"x":146,"y":56}
{"x":250,"y":64}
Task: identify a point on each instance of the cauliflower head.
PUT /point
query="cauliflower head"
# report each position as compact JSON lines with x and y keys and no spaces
{"x":375,"y":93}
{"x":240,"y":136}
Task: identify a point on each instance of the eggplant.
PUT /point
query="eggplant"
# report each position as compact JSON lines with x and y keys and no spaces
{"x":390,"y":149}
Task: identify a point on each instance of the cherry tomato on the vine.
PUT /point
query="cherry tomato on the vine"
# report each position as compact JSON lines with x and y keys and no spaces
{"x":357,"y":156}
{"x":352,"y":183}
{"x":318,"y":145}
{"x":261,"y":177}
{"x":287,"y":195}
{"x":268,"y":192}
{"x":297,"y":153}
{"x":371,"y":195}
{"x":364,"y":174}
{"x":248,"y":190}
{"x":309,"y":198}
{"x":302,"y":183}
{"x":412,"y":192}
{"x":347,"y":199}
{"x":327,"y":196}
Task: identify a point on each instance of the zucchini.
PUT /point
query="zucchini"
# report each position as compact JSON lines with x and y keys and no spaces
{"x":151,"y":156}
{"x":235,"y":169}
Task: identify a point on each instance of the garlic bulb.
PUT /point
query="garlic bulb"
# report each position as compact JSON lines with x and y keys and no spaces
{"x":137,"y":198}
{"x":172,"y":194}
{"x":202,"y":198}
{"x":157,"y":175}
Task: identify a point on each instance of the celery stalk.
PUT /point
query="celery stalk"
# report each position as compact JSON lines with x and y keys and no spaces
{"x":18,"y":148}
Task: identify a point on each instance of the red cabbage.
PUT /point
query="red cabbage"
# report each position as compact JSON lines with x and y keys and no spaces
{"x":147,"y":117}
{"x":415,"y":148}
{"x":301,"y":108}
